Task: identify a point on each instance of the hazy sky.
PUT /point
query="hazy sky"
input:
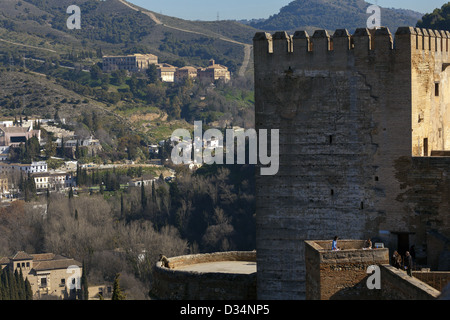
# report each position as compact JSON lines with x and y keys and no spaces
{"x":249,"y":9}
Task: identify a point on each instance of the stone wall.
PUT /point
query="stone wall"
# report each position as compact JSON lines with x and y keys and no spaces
{"x":344,"y":106}
{"x":343,"y":275}
{"x":397,"y":285}
{"x":334,"y":275}
{"x":173,"y":284}
{"x":437,"y":279}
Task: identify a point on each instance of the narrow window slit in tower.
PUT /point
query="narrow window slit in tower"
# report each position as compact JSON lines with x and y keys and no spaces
{"x":436,"y":89}
{"x":331,"y":139}
{"x":362,"y":205}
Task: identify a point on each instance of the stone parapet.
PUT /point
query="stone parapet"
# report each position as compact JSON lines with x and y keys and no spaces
{"x":175,"y":284}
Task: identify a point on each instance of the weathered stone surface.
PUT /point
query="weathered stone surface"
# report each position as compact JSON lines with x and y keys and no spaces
{"x":353,"y":119}
{"x":174,"y":283}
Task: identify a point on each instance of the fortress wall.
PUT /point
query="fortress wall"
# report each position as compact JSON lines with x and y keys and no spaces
{"x":343,"y":105}
{"x":337,"y":275}
{"x":435,"y":279}
{"x":397,"y":285}
{"x":173,"y":284}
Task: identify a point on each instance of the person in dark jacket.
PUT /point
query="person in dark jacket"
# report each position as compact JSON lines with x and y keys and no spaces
{"x":408,"y":263}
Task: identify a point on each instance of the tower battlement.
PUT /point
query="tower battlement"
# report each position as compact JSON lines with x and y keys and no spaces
{"x":322,"y":46}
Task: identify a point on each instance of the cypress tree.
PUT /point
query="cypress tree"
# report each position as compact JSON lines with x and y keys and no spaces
{"x":1,"y":288}
{"x":153,"y":192}
{"x":5,"y":282}
{"x":143,"y":196}
{"x":122,"y":208}
{"x":117,"y":291}
{"x":20,"y":284}
{"x":28,"y":290}
{"x":12,"y":286}
{"x":84,"y":284}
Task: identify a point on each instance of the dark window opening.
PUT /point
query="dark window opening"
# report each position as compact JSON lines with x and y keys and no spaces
{"x":425,"y":147}
{"x":436,"y":89}
{"x":332,"y":192}
{"x":331,"y":139}
{"x":402,"y":242}
{"x":362,"y":205}
{"x":18,"y":139}
{"x":376,"y":178}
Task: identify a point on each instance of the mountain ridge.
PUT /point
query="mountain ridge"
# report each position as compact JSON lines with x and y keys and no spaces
{"x":332,"y":15}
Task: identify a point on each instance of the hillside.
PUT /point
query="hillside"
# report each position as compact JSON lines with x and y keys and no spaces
{"x":439,"y":19}
{"x":332,"y":15}
{"x":116,"y":26}
{"x":49,"y":64}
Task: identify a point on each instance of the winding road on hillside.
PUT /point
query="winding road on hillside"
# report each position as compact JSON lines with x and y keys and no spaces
{"x":247,"y":47}
{"x":26,"y":45}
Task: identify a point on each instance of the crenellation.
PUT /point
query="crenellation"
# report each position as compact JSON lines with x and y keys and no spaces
{"x":433,"y":40}
{"x":383,"y":40}
{"x":281,"y":43}
{"x":419,"y":39}
{"x":362,"y":40}
{"x":407,"y":39}
{"x":321,"y":41}
{"x":301,"y":45}
{"x":342,"y":40}
{"x":364,"y":43}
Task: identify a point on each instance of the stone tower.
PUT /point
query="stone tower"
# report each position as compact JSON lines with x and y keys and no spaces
{"x":359,"y":117}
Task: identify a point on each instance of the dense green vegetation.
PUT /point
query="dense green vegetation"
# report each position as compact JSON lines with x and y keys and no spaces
{"x":332,"y":15}
{"x":439,"y":19}
{"x":104,"y":223}
{"x":125,"y":230}
{"x":13,"y":285}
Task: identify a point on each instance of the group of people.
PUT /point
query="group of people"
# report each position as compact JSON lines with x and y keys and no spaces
{"x":398,"y":261}
{"x":405,"y":262}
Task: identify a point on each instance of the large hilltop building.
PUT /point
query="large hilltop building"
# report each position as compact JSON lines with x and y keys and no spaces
{"x":13,"y":136}
{"x":131,"y":63}
{"x":362,"y":119}
{"x":214,"y":72}
{"x":166,"y":72}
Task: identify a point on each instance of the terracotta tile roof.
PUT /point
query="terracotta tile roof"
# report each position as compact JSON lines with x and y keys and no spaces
{"x":4,"y":260}
{"x":43,"y":261}
{"x":43,"y":256}
{"x":55,"y":264}
{"x":21,"y":255}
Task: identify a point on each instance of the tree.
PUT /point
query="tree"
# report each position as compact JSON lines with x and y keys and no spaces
{"x":96,"y":72}
{"x":122,"y":208}
{"x":152,"y":73}
{"x":84,"y":284}
{"x":117,"y":291}
{"x":143,"y":196}
{"x":28,"y":290}
{"x":439,"y":19}
{"x":50,"y":149}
